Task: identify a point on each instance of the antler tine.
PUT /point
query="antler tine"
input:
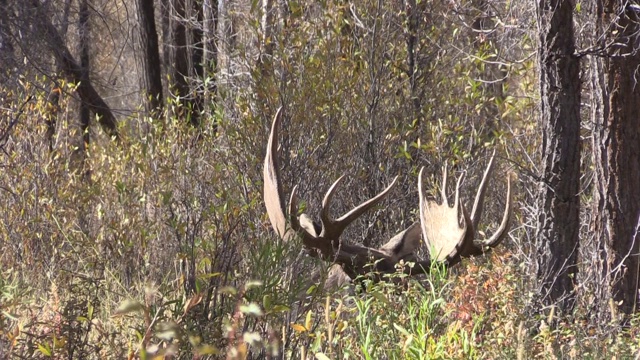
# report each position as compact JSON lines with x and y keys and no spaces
{"x":441,"y":228}
{"x":333,"y":228}
{"x":478,"y":203}
{"x":272,"y":183}
{"x":422,"y":203}
{"x":456,"y":201}
{"x":467,"y":239}
{"x":443,"y":189}
{"x":502,"y":231}
{"x":365,"y":206}
{"x":478,"y":247}
{"x":326,"y":202}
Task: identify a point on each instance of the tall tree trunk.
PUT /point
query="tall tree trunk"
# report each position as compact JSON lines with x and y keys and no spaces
{"x":197,"y":57}
{"x":209,"y":41}
{"x":616,"y":147}
{"x":210,"y":46}
{"x":181,"y":53}
{"x":6,"y":43}
{"x":152,"y":73}
{"x":73,"y":72}
{"x":411,"y":35}
{"x":83,"y":38}
{"x":265,"y":64}
{"x":411,"y":32}
{"x":187,"y":61}
{"x":167,"y":37}
{"x":53,"y":99}
{"x":264,"y":67}
{"x":559,"y":204}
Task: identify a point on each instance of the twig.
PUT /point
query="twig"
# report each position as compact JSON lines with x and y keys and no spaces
{"x":5,"y":135}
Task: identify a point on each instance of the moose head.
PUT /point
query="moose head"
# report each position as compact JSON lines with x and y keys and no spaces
{"x":449,"y":232}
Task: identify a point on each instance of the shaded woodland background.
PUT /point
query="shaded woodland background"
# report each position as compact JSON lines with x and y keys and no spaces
{"x":133,"y":134}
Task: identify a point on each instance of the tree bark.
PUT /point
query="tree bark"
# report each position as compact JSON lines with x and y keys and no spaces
{"x":180,"y":42}
{"x":264,"y":73}
{"x":83,"y":29}
{"x":558,"y":220}
{"x":187,"y":58}
{"x":265,"y":65}
{"x":53,"y":99}
{"x":197,"y":58}
{"x":152,"y":73}
{"x":6,"y":43}
{"x":411,"y":34}
{"x":210,"y":25}
{"x":73,"y":72}
{"x":210,"y":47}
{"x":616,"y":148}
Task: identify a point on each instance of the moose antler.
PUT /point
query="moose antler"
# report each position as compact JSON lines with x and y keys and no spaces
{"x":449,"y":235}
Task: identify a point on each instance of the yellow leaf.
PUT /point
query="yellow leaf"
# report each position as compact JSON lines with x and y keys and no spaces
{"x":299,"y":328}
{"x":191,"y":303}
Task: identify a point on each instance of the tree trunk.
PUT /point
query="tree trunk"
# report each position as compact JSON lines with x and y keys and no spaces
{"x":210,"y":27}
{"x":83,"y":29}
{"x":180,"y":42}
{"x":73,"y":72}
{"x":210,"y":46}
{"x":265,"y":65}
{"x":6,"y":43}
{"x":152,"y":74}
{"x":167,"y":37}
{"x":53,"y":100}
{"x":197,"y":57}
{"x":187,"y":61}
{"x":616,"y":148}
{"x":263,"y":77}
{"x":559,"y":204}
{"x":411,"y":34}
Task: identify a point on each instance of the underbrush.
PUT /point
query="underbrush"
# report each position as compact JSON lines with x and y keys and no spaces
{"x":157,"y":246}
{"x":438,"y":317}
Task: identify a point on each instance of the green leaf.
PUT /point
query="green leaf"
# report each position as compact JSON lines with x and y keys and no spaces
{"x":307,"y":322}
{"x":45,"y":349}
{"x":266,"y":302}
{"x":280,"y":308}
